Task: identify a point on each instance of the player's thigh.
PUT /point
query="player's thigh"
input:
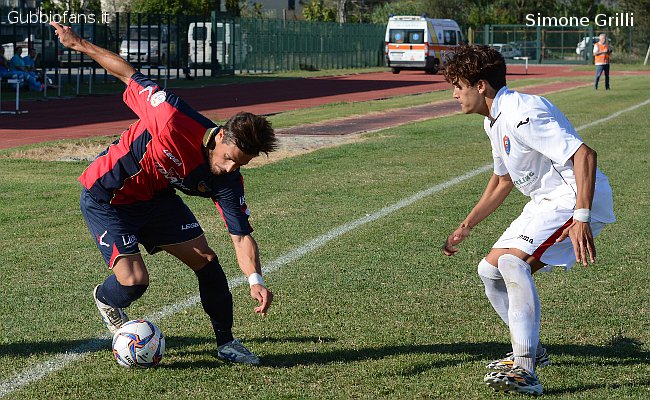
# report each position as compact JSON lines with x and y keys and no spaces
{"x":130,"y":270}
{"x":113,"y":229}
{"x":532,"y":234}
{"x":194,"y":253}
{"x":174,"y":229}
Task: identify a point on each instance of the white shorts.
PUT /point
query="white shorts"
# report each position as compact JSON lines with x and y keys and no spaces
{"x":534,"y":232}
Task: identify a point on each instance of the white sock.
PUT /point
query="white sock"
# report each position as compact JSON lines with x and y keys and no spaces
{"x":524,"y":311}
{"x":495,"y":288}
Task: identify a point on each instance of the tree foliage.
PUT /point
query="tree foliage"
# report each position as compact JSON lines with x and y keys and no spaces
{"x":76,"y":6}
{"x":185,"y":7}
{"x":320,"y":10}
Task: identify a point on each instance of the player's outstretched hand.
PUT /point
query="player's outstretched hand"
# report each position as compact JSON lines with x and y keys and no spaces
{"x":263,"y":296}
{"x":454,"y":239}
{"x":66,"y":36}
{"x":582,"y":240}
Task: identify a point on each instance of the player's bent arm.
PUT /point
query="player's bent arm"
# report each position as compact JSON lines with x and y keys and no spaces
{"x":584,"y":169}
{"x":110,"y":61}
{"x":496,"y":191}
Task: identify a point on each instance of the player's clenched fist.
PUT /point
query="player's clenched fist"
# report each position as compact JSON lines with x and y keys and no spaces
{"x":454,"y":239}
{"x":66,"y":36}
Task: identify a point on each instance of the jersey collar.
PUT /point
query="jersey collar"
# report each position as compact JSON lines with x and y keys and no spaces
{"x":497,"y":98}
{"x":208,"y":137}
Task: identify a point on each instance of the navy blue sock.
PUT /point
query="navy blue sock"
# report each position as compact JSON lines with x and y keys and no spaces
{"x":216,"y":300}
{"x":111,"y":292}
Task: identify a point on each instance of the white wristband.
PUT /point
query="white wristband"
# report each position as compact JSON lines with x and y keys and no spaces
{"x":582,"y":215}
{"x":255,"y":279}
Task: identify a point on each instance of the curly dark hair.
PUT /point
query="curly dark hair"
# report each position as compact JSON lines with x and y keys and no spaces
{"x":251,"y":133}
{"x":471,"y":63}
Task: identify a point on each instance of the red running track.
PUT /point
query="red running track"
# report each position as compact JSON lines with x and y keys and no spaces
{"x":108,"y":115}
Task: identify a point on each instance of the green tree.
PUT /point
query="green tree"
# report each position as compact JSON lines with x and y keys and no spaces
{"x":93,"y":6}
{"x":380,"y":14}
{"x":185,"y":7}
{"x":319,"y":10}
{"x":234,"y":7}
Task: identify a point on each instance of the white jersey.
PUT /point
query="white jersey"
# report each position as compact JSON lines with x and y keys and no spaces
{"x":533,"y":142}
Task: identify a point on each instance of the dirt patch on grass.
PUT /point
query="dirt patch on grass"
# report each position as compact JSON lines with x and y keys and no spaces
{"x":296,"y":145}
{"x":290,"y":146}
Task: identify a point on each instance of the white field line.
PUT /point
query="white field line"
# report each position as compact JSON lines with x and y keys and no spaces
{"x":61,"y":360}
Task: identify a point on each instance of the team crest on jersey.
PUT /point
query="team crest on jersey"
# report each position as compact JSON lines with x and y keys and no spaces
{"x":158,"y":98}
{"x":203,"y":187}
{"x":506,"y":144}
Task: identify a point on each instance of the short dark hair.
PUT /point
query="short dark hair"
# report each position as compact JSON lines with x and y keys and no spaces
{"x":251,"y":133}
{"x":471,"y":63}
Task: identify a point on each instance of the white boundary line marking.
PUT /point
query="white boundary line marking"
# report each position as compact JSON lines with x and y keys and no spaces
{"x":61,"y":360}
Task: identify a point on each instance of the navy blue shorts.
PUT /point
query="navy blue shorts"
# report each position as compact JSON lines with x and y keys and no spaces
{"x":119,"y":229}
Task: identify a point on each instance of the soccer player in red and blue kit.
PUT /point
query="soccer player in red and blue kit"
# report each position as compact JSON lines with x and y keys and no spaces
{"x":128,"y":197}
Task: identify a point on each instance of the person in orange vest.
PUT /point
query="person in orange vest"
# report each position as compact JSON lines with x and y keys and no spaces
{"x":602,"y":50}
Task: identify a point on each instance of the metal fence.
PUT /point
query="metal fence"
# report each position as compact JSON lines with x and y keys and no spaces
{"x":173,"y":46}
{"x":553,"y":45}
{"x":278,"y":45}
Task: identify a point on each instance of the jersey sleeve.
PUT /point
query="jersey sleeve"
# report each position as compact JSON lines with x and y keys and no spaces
{"x":231,"y":203}
{"x":547,"y":132}
{"x":150,"y":103}
{"x":499,"y":166}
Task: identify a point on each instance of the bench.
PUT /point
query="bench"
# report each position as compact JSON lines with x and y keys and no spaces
{"x":522,"y":58}
{"x":18,"y":83}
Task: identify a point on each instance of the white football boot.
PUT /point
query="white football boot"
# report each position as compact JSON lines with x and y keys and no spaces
{"x":113,"y":317}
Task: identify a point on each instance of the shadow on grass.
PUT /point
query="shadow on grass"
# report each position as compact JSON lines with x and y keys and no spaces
{"x":26,"y":349}
{"x":192,"y":347}
{"x":620,"y":351}
{"x":583,"y":388}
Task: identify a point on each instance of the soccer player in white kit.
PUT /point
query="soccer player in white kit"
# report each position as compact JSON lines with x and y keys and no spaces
{"x":537,"y":150}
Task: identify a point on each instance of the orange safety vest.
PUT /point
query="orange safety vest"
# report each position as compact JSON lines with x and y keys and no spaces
{"x":602,"y":58}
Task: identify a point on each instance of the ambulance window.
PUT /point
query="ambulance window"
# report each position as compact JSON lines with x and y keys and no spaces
{"x":397,"y":35}
{"x":416,"y":37}
{"x":450,"y":37}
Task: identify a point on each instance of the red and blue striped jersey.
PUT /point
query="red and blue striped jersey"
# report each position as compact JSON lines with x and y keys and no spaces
{"x":163,"y":151}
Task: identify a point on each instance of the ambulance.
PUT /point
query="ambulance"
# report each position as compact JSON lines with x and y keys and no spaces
{"x":419,"y":43}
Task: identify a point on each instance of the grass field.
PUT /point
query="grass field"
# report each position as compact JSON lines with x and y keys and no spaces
{"x":376,"y":312}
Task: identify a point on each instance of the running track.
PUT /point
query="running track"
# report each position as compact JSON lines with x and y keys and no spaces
{"x":108,"y":115}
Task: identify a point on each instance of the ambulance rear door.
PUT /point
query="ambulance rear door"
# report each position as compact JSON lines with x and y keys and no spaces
{"x":405,"y":42}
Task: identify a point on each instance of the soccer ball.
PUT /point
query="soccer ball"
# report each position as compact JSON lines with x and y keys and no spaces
{"x":138,"y":343}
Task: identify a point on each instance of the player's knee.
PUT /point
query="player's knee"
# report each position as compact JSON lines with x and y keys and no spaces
{"x":510,"y":262}
{"x":488,"y":271}
{"x":203,"y":260}
{"x":135,"y":280}
{"x":200,"y":258}
{"x":211,"y":274}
